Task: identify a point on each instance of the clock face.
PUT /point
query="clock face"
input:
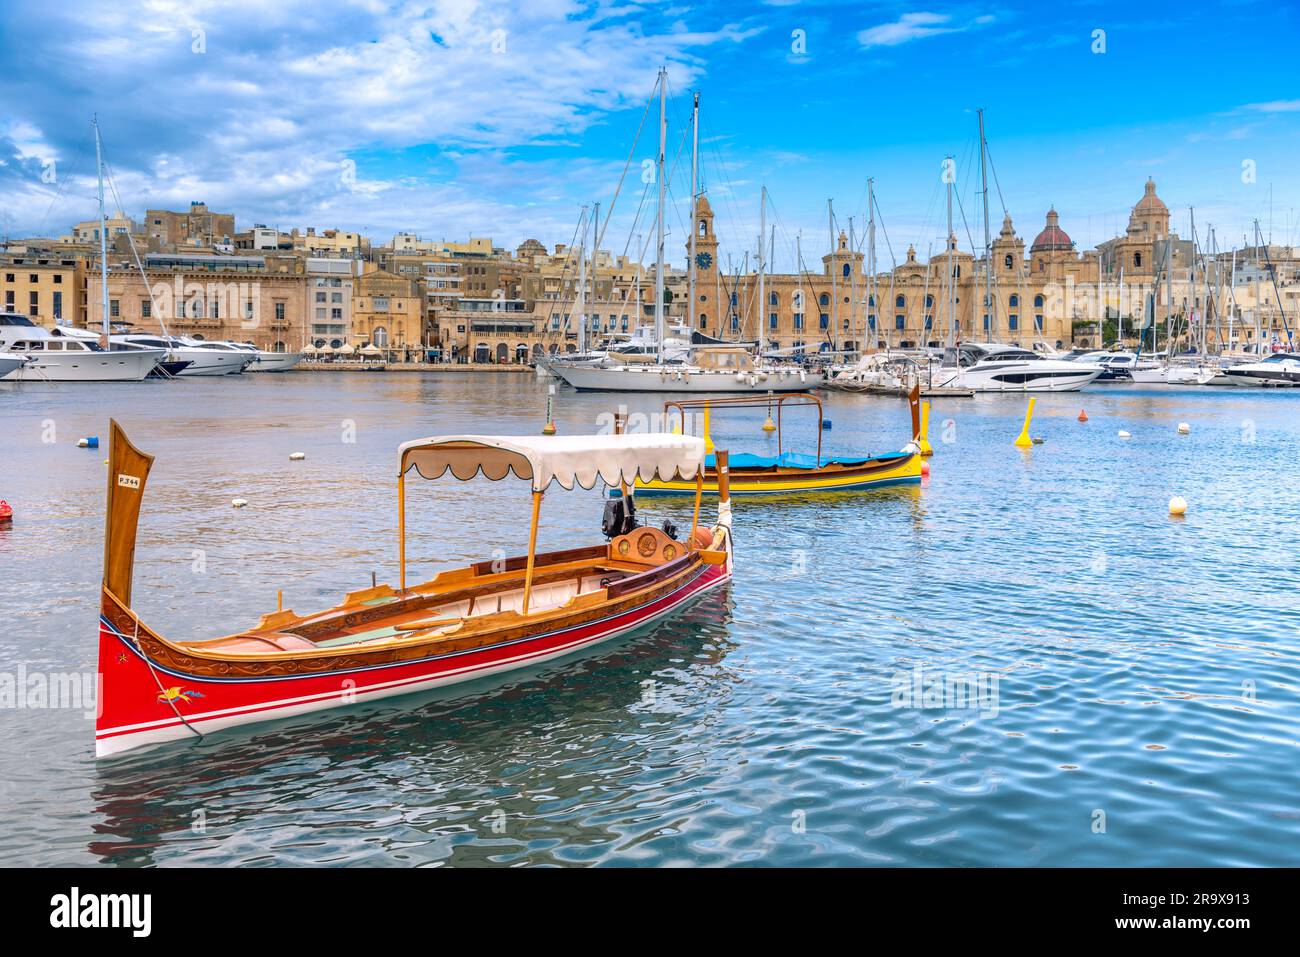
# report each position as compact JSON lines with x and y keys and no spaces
{"x":703,"y":260}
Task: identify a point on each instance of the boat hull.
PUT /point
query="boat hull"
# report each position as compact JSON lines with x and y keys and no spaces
{"x":153,"y":702}
{"x":106,"y":366}
{"x":275,"y":361}
{"x":655,"y":379}
{"x":876,"y":473}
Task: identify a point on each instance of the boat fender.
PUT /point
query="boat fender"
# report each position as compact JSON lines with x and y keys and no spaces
{"x":6,"y":513}
{"x":740,"y":377}
{"x":803,"y":376}
{"x":703,"y":538}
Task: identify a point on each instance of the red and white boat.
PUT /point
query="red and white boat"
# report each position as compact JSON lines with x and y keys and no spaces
{"x":485,"y":619}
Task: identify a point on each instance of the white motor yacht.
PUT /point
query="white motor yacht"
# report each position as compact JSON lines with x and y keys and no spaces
{"x":706,"y":369}
{"x":266,"y":361}
{"x":10,"y":364}
{"x":986,"y":367}
{"x":69,"y":358}
{"x":202,"y":361}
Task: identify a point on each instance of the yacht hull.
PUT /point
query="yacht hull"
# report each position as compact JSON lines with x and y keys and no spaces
{"x":661,"y":379}
{"x":275,"y":361}
{"x":1011,"y":379}
{"x":111,"y":366}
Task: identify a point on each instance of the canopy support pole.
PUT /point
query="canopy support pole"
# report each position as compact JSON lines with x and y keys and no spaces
{"x":699,"y":494}
{"x":401,"y":530}
{"x":532,"y":551}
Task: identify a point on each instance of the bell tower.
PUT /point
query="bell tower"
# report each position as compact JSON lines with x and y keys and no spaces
{"x":704,"y":313}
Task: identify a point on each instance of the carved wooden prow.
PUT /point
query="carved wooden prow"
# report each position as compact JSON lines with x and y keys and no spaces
{"x":128,"y":470}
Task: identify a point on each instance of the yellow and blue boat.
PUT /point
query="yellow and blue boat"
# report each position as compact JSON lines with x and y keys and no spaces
{"x":792,"y":472}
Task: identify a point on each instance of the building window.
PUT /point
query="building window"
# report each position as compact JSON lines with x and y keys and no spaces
{"x":33,"y":304}
{"x":773,"y":299}
{"x":380,"y":337}
{"x":823,"y":321}
{"x":1038,"y":302}
{"x":1014,"y":301}
{"x":898,"y":322}
{"x":279,"y":312}
{"x":733,"y":299}
{"x":146,"y":308}
{"x":772,"y":321}
{"x":320,"y":297}
{"x":735,"y":322}
{"x":1038,"y":323}
{"x":871,"y":321}
{"x":798,"y":321}
{"x":1137,"y":260}
{"x":114,"y":307}
{"x":929,"y":323}
{"x":1013,"y":322}
{"x":704,"y":322}
{"x":824,"y":299}
{"x":900,"y":302}
{"x":846,"y":270}
{"x":1007,"y":261}
{"x":58,"y":305}
{"x":58,"y":279}
{"x":986,"y":322}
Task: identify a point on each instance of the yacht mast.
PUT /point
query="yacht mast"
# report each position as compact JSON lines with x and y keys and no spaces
{"x":762,"y":266}
{"x":853,"y":286}
{"x":952,"y":307}
{"x":988,"y":242}
{"x":103,"y":242}
{"x":835,"y":294}
{"x":872,"y":305}
{"x":580,"y":299}
{"x":798,"y":268}
{"x":659,"y":225}
{"x":695,"y":195}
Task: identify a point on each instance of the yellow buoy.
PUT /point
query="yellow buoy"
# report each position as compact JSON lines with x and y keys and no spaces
{"x":1023,"y":441}
{"x":769,"y":425}
{"x":1184,"y":428}
{"x":1178,"y":505}
{"x":924,"y":442}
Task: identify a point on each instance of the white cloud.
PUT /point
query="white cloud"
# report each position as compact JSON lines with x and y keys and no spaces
{"x":1274,"y":106}
{"x":917,"y":26}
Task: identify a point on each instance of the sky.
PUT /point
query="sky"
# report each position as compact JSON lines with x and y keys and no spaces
{"x":503,"y":119}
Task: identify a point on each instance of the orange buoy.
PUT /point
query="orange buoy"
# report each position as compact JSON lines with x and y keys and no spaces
{"x":1083,"y":416}
{"x":6,"y":513}
{"x":925,"y":469}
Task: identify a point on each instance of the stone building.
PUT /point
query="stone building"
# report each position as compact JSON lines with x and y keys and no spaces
{"x":197,"y":227}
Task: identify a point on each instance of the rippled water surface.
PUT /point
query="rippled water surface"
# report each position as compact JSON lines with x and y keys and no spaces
{"x":1141,"y":672}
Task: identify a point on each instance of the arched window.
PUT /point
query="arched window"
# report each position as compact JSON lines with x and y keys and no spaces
{"x":871,"y":301}
{"x":704,"y":321}
{"x":900,"y":302}
{"x":798,"y":300}
{"x":773,"y":299}
{"x":846,"y":270}
{"x":1137,"y":260}
{"x":824,"y":299}
{"x":1038,"y":302}
{"x":733,"y":298}
{"x":380,"y":337}
{"x":1007,"y":261}
{"x":929,"y":302}
{"x":704,"y":228}
{"x":1014,"y":301}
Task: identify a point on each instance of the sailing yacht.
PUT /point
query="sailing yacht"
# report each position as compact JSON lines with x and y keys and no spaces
{"x":707,"y":369}
{"x":985,"y":367}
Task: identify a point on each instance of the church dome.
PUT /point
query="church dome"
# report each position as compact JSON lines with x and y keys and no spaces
{"x":1150,"y":202}
{"x":1053,"y":238}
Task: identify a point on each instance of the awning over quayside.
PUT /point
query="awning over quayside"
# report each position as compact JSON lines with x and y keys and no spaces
{"x":567,"y":459}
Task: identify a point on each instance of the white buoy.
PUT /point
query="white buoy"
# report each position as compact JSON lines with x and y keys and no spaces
{"x":297,"y":456}
{"x":1184,"y":428}
{"x":1178,"y":505}
{"x":1124,"y":435}
{"x":239,"y":502}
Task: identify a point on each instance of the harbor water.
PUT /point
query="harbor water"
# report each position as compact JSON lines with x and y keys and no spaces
{"x":1023,"y":661}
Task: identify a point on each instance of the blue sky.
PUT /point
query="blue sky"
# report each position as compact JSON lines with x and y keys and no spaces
{"x":502,"y":119}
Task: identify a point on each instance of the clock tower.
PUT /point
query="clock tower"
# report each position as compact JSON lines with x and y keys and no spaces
{"x":703,"y":313}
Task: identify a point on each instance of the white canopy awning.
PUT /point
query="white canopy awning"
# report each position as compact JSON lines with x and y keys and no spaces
{"x":567,"y":459}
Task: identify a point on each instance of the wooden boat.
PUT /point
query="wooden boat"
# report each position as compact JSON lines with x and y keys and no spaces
{"x":484,"y":619}
{"x":790,"y":472}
